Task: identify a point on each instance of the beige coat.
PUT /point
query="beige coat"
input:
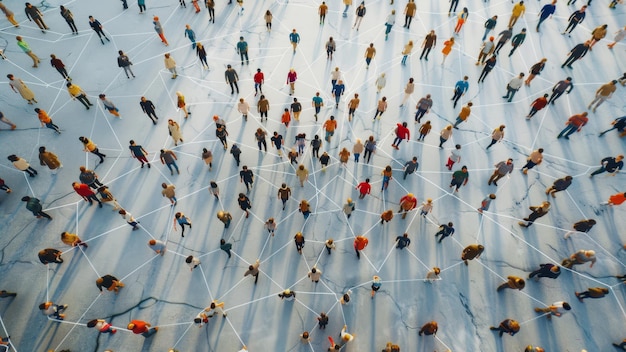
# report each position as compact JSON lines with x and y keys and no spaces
{"x":21,"y":87}
{"x":302,"y":174}
{"x":358,"y":148}
{"x":170,"y":63}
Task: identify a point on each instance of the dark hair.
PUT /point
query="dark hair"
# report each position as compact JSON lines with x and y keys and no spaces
{"x":189,"y":259}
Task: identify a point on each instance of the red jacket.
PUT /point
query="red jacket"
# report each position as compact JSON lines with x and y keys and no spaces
{"x":139,"y":326}
{"x":83,"y":190}
{"x":539,"y":103}
{"x":292,"y":77}
{"x":258,"y":77}
{"x":364,"y":188}
{"x":408,"y":202}
{"x":360,"y":243}
{"x":578,"y":120}
{"x":403,"y":132}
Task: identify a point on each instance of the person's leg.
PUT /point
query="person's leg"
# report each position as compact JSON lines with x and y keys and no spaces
{"x":41,"y":213}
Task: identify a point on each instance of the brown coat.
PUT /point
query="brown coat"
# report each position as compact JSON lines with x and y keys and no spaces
{"x":410,"y":9}
{"x":472,"y":251}
{"x":49,"y":159}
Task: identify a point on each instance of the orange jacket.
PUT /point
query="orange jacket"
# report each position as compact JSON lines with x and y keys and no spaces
{"x":43,"y":116}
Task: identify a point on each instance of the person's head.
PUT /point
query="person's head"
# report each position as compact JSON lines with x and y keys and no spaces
{"x":102,"y":188}
{"x":521,"y":74}
{"x":305,"y":335}
{"x":569,"y":79}
{"x":387,"y":168}
{"x":404,"y":124}
{"x":405,"y":235}
{"x":509,"y":161}
{"x":12,"y":157}
{"x":590,"y":253}
{"x":189,"y":259}
{"x":18,"y":38}
{"x":178,"y":215}
{"x":199,"y":45}
{"x":492,"y":196}
{"x":241,"y":195}
{"x":155,"y":18}
{"x":457,"y":147}
{"x":313,"y":270}
{"x":245,"y":168}
{"x":465,"y":78}
{"x":241,"y":39}
{"x":68,"y":84}
{"x":130,"y":326}
{"x":367,"y":180}
{"x":464,"y":168}
{"x":167,"y":55}
{"x":411,"y":80}
{"x":91,"y":18}
{"x":491,"y":39}
{"x":10,"y":76}
{"x":540,"y":150}
{"x":604,"y":290}
{"x":301,"y":167}
{"x":122,"y":212}
{"x":436,"y":270}
{"x":25,"y":199}
{"x":371,"y":45}
{"x":102,"y":96}
{"x":152,"y":242}
{"x":82,"y":169}
{"x":566,"y":306}
{"x":229,"y":66}
{"x":619,"y":157}
{"x":332,"y":117}
{"x":131,"y":142}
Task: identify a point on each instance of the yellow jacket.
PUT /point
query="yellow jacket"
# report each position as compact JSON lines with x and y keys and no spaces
{"x":518,"y":10}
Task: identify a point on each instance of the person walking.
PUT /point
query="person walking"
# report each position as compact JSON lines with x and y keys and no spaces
{"x":110,"y":282}
{"x":149,"y":109}
{"x":159,"y":29}
{"x":460,"y":88}
{"x":277,"y":141}
{"x":89,"y":177}
{"x":86,"y":193}
{"x":512,"y":282}
{"x":322,"y":11}
{"x":246,"y":176}
{"x":381,"y":82}
{"x":459,"y":178}
{"x":268,"y":20}
{"x":445,"y":230}
{"x":34,"y":206}
{"x":464,"y":114}
{"x":507,"y":326}
{"x":253,"y":270}
{"x":536,"y":70}
{"x":496,"y":136}
{"x":284,"y":193}
{"x":389,"y":22}
{"x":407,"y":203}
{"x":603,"y":93}
{"x":486,"y":203}
{"x":294,"y":39}
{"x":224,"y":217}
{"x":582,"y":226}
{"x":424,"y":131}
{"x":109,"y":106}
{"x":489,"y":65}
{"x":502,"y":169}
{"x":242,"y":50}
{"x":447,"y":47}
{"x":574,"y":124}
{"x":471,"y":252}
{"x":564,"y":86}
{"x":91,"y":147}
{"x":142,"y":5}
{"x":576,"y":18}
{"x":182,"y":220}
{"x":330,"y":48}
{"x":370,"y":52}
{"x":430,"y":41}
{"x":49,"y":159}
{"x":597,"y":35}
{"x":124,"y":62}
{"x":137,"y":152}
{"x":370,"y":148}
{"x":408,"y":48}
{"x":537,"y":212}
{"x":102,"y":326}
{"x":513,"y":86}
{"x":69,"y":18}
{"x":231,"y":77}
{"x":410,"y":167}
{"x":263,"y":106}
{"x":610,"y":164}
{"x":169,"y":158}
{"x":76,"y":92}
{"x":226,"y":247}
{"x":535,"y":158}
{"x":296,"y":108}
{"x":9,"y":15}
{"x":546,"y":270}
{"x":444,"y":135}
{"x":201,"y":53}
{"x":260,"y":136}
{"x":108,"y":198}
{"x":244,"y":203}
{"x":53,"y":310}
{"x":490,"y":25}
{"x":537,"y":105}
{"x":592,"y":292}
{"x":402,"y":133}
{"x":292,"y":77}
{"x":140,"y":327}
{"x":329,"y":127}
{"x":34,"y":15}
{"x":409,"y":12}
{"x":302,"y":174}
{"x":503,"y":37}
{"x":577,"y":53}
{"x":22,"y":165}
{"x":46,"y":121}
{"x":408,"y":91}
{"x":517,"y":40}
{"x":170,"y":65}
{"x":259,"y":79}
{"x":96,"y":26}
{"x":580,"y":257}
{"x":423,"y":107}
{"x":559,"y":185}
{"x":486,"y":49}
{"x":174,"y":131}
{"x":305,"y":209}
{"x":518,"y":10}
{"x":59,"y":66}
{"x":18,"y":86}
{"x":359,"y":244}
{"x":360,"y":13}
{"x":364,"y":188}
{"x":337,"y":91}
{"x":299,"y":241}
{"x":461,"y":19}
{"x":546,"y":12}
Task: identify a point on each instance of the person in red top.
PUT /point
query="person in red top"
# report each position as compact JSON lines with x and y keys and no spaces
{"x":141,"y":327}
{"x":407,"y":203}
{"x":617,"y":199}
{"x":574,"y":124}
{"x":537,"y":105}
{"x":259,"y":79}
{"x":60,"y":66}
{"x":402,"y":132}
{"x":84,"y":191}
{"x":360,"y":242}
{"x":364,"y":188}
{"x":286,"y":118}
{"x":292,"y":77}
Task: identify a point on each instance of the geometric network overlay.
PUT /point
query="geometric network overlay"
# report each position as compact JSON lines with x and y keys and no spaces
{"x":163,"y":291}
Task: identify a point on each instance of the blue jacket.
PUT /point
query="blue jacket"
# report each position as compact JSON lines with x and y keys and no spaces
{"x":462,"y":86}
{"x":546,"y":11}
{"x":242,"y":47}
{"x":338,"y":89}
{"x":294,"y":37}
